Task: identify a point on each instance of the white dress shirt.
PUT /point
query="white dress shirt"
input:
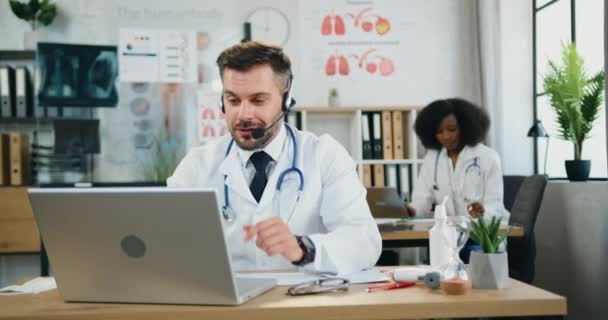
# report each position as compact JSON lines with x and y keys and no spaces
{"x":332,"y":209}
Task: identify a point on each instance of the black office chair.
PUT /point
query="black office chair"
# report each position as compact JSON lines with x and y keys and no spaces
{"x":511,"y":185}
{"x":524,"y":211}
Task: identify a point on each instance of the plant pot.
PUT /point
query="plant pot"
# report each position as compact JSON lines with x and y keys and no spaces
{"x":333,"y":101}
{"x":489,"y":271}
{"x":578,"y":170}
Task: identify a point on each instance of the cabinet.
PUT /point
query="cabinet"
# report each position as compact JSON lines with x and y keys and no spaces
{"x":346,"y":125}
{"x":18,"y":230}
{"x":40,"y":125}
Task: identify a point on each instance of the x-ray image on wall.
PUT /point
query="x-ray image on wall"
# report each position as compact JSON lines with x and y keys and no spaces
{"x":77,"y":75}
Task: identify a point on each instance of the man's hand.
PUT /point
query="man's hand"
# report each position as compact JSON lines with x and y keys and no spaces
{"x":273,"y":237}
{"x":476,"y":209}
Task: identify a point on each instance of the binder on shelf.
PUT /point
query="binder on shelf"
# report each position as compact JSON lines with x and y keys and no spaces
{"x":414,"y":147}
{"x":397,"y":122}
{"x":294,"y":119}
{"x":7,"y":92}
{"x":392,"y":176}
{"x":378,"y":175}
{"x":24,"y":93}
{"x":367,"y":175}
{"x":376,"y":130}
{"x":4,"y":160}
{"x":387,"y":135}
{"x":20,"y":156}
{"x":366,"y":137}
{"x":405,"y":189}
{"x":401,"y":134}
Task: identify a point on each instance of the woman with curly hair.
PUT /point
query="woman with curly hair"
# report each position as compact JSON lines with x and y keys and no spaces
{"x":457,"y":164}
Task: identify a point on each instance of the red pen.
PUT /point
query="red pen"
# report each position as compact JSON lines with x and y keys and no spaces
{"x":391,"y":286}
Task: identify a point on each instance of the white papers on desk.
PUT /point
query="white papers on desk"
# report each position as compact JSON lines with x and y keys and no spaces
{"x":395,"y":220}
{"x":294,"y":278}
{"x":36,"y":285}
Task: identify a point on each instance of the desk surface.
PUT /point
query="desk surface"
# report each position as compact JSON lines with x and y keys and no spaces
{"x":420,"y":231}
{"x":412,"y":303}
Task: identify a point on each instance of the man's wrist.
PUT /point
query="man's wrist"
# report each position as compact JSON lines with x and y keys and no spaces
{"x":308,"y":251}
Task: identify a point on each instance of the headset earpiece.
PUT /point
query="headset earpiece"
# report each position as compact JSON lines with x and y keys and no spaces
{"x":288,"y":101}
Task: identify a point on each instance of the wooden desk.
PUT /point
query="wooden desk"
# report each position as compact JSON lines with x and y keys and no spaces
{"x":18,"y":230}
{"x":412,"y":303}
{"x":418,"y":236}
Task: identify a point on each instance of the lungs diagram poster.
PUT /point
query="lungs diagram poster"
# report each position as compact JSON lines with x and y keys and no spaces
{"x":353,"y":46}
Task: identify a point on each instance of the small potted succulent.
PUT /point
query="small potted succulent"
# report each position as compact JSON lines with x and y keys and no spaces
{"x":490,"y":266}
{"x":36,"y":13}
{"x":333,"y":100}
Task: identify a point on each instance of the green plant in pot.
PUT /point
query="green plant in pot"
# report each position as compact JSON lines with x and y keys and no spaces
{"x":333,"y":100}
{"x":490,"y":265}
{"x":576,"y":99}
{"x":36,"y":13}
{"x":162,"y":162}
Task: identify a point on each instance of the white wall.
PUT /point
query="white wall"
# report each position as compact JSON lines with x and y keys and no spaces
{"x":441,"y":59}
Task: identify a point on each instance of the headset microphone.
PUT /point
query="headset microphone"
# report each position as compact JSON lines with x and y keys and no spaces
{"x":260,"y":132}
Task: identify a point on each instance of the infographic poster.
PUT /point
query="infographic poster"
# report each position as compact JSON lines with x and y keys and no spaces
{"x":352,"y":45}
{"x":148,"y":55}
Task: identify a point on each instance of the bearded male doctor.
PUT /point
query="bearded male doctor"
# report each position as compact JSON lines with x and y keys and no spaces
{"x":290,"y":198}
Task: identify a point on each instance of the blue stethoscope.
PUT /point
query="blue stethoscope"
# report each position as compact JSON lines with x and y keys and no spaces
{"x":228,"y":212}
{"x":471,"y":166}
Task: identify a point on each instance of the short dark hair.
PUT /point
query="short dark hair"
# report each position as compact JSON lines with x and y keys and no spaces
{"x":244,"y":56}
{"x":473,"y":121}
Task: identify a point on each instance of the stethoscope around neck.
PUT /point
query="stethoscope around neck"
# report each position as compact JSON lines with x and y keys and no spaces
{"x":473,"y":165}
{"x":228,"y":212}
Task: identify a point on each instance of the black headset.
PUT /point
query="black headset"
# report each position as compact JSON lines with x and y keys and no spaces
{"x":286,"y":104}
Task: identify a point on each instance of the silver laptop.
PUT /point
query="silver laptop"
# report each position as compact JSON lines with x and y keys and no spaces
{"x":139,"y":245}
{"x":384,"y":202}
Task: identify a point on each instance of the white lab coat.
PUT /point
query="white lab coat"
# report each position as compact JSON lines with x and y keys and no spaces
{"x":332,"y":210}
{"x":450,"y":182}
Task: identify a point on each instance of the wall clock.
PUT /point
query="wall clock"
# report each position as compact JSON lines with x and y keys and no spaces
{"x":269,"y":25}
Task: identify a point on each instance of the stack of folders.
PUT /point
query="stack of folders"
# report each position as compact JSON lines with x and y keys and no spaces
{"x":15,"y":159}
{"x":385,"y":135}
{"x":4,"y":160}
{"x":16,"y":92}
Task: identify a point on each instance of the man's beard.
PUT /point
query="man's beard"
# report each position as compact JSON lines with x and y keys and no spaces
{"x":256,"y":143}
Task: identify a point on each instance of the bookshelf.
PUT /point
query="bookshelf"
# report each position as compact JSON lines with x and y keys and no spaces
{"x":345,"y":124}
{"x":39,"y":124}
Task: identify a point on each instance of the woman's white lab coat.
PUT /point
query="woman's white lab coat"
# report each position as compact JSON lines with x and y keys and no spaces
{"x":450,"y":181}
{"x":332,"y":209}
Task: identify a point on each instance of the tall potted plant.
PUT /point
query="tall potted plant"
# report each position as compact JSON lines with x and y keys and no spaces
{"x":36,"y":13}
{"x":576,"y":98}
{"x":490,"y":266}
